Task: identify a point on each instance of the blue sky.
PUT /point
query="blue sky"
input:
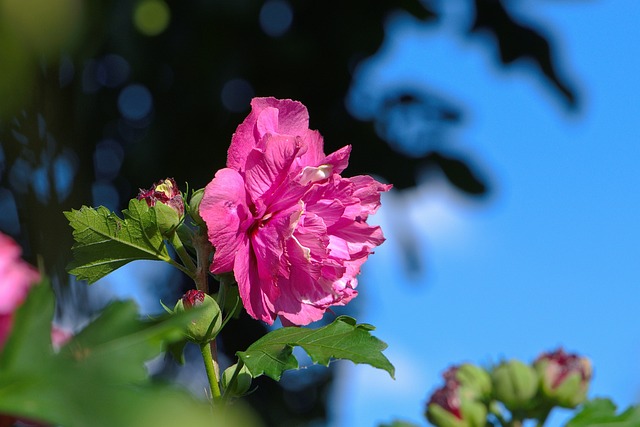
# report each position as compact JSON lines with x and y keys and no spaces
{"x":551,"y":259}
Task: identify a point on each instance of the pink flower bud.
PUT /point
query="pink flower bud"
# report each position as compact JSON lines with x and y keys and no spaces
{"x":192,"y":298}
{"x":165,"y":191}
{"x":167,"y":202}
{"x":565,"y":377}
{"x":447,"y":398}
{"x":458,"y":403}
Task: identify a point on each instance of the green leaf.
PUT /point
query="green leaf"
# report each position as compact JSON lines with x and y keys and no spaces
{"x":602,"y":413}
{"x":105,"y":242}
{"x":31,"y":331}
{"x":118,"y":334}
{"x":98,"y":378}
{"x":272,"y":354}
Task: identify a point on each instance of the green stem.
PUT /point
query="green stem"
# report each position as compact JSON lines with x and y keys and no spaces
{"x":183,"y":254}
{"x":210,"y":366}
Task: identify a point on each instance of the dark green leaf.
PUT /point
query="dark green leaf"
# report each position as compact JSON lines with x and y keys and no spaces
{"x":105,"y":242}
{"x":272,"y":354}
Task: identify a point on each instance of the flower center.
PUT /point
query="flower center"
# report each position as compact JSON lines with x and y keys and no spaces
{"x":258,"y":223}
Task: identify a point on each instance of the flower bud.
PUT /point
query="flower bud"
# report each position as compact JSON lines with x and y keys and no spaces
{"x":448,"y":407}
{"x":166,"y":199}
{"x":474,"y":381}
{"x":515,"y":384}
{"x":194,"y":206}
{"x":242,"y":382}
{"x":564,"y":377}
{"x":206,"y":326}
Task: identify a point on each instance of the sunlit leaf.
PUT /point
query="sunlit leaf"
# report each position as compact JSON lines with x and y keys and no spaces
{"x":272,"y":354}
{"x":602,"y":413}
{"x":105,"y":242}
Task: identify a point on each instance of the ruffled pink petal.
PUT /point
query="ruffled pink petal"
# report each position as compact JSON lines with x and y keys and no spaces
{"x":359,"y":237}
{"x":314,"y":154}
{"x":368,"y":191}
{"x":224,"y":210}
{"x":267,"y":242}
{"x":329,"y":209}
{"x":338,"y":159}
{"x":266,"y":170}
{"x":267,"y":122}
{"x":256,"y":295}
{"x":293,"y":117}
{"x":301,"y":292}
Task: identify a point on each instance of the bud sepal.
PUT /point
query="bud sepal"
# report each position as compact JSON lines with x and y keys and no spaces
{"x":239,"y":385}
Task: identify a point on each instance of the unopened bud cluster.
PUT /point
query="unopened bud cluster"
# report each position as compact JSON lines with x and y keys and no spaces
{"x":471,"y":394}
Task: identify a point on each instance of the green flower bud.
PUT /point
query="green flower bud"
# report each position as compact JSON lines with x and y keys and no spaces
{"x":165,"y":198}
{"x":206,"y":326}
{"x":242,"y":382}
{"x":564,"y":377}
{"x":515,"y":384}
{"x":194,"y":206}
{"x":474,"y":380}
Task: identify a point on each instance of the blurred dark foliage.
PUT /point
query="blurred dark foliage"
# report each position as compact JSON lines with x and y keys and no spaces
{"x":518,"y":40}
{"x":73,"y":115}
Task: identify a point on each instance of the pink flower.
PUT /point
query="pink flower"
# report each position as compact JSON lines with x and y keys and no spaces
{"x":16,"y":278}
{"x":282,"y":218}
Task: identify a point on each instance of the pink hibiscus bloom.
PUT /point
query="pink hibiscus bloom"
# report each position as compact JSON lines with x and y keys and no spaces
{"x":16,"y":278}
{"x":280,"y":216}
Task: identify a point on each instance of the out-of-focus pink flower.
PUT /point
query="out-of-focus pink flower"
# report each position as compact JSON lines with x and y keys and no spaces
{"x":282,"y":218}
{"x":16,"y":278}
